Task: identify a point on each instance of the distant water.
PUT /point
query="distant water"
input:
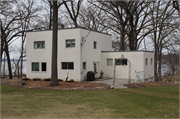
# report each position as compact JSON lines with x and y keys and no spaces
{"x":13,"y":66}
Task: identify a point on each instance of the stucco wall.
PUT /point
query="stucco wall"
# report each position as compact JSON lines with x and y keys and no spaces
{"x":149,"y":68}
{"x":72,"y":54}
{"x":89,"y":54}
{"x":122,"y":72}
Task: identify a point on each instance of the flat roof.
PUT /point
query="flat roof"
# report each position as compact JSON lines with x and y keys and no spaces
{"x":129,"y":51}
{"x":69,"y":28}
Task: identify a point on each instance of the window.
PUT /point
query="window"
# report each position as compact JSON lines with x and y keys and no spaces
{"x":121,"y":61}
{"x":39,"y":44}
{"x":151,"y":61}
{"x":67,"y":65}
{"x":84,"y":65}
{"x":109,"y":62}
{"x":43,"y":66}
{"x":70,"y":43}
{"x":35,"y":66}
{"x":95,"y":44}
{"x":146,"y":61}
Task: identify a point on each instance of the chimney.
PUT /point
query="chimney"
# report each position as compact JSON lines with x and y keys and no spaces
{"x":60,"y":26}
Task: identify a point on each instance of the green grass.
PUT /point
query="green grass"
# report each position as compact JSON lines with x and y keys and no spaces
{"x":155,"y":102}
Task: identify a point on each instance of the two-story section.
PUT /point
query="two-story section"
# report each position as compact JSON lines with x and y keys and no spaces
{"x":79,"y":51}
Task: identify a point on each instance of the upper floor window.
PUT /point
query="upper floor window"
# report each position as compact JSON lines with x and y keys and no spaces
{"x":39,"y":44}
{"x":121,"y":61}
{"x":70,"y":43}
{"x":151,"y":61}
{"x":146,"y":61}
{"x":95,"y":44}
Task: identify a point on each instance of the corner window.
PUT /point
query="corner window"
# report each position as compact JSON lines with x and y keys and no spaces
{"x":109,"y":62}
{"x":121,"y":61}
{"x":84,"y":65}
{"x":35,"y":66}
{"x":43,"y":66}
{"x":39,"y":44}
{"x":70,"y":43}
{"x":67,"y":65}
{"x":146,"y":61}
{"x":95,"y":44}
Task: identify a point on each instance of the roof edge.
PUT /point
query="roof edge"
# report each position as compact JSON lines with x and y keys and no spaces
{"x":69,"y":28}
{"x":129,"y":51}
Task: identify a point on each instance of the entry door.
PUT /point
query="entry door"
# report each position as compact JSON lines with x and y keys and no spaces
{"x":95,"y":68}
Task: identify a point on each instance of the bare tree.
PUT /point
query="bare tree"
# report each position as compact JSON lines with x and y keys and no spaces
{"x":54,"y":74}
{"x":74,"y":11}
{"x":163,"y":24}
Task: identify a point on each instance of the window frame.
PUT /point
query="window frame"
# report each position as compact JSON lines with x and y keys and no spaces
{"x":35,"y":66}
{"x":42,"y":66}
{"x":84,"y":65}
{"x":95,"y":44}
{"x":71,"y":43}
{"x":151,"y":61}
{"x":146,"y":61}
{"x":39,"y":47}
{"x":121,"y":62}
{"x":67,"y":63}
{"x":107,"y":61}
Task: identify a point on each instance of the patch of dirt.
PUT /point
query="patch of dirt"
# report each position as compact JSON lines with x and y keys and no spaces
{"x":31,"y":84}
{"x":153,"y":84}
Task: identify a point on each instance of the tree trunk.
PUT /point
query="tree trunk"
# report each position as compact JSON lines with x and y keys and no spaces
{"x":21,"y":58}
{"x":54,"y":75}
{"x":155,"y":64}
{"x":159,"y":66}
{"x":9,"y":62}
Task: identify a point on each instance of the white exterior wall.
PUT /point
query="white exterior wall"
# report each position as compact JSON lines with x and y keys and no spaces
{"x":70,"y":54}
{"x":89,"y":54}
{"x":38,"y":55}
{"x":122,"y":72}
{"x":148,"y":69}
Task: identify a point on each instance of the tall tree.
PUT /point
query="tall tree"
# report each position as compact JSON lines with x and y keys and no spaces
{"x":74,"y":11}
{"x":163,"y":24}
{"x":54,"y":71}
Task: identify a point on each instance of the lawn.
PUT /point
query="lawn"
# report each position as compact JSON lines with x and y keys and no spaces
{"x":154,"y":102}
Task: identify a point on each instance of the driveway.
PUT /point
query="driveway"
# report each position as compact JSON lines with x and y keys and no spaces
{"x":118,"y":82}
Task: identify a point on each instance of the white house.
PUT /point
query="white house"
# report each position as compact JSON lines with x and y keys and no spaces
{"x":81,"y":50}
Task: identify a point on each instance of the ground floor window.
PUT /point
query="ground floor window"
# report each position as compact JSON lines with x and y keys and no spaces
{"x":67,"y":65}
{"x":35,"y":66}
{"x":43,"y":66}
{"x":121,"y":61}
{"x":84,"y":65}
{"x":110,"y":62}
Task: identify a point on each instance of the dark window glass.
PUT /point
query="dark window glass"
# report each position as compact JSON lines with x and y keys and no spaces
{"x":64,"y":65}
{"x":35,"y":66}
{"x":67,"y":65}
{"x":70,"y":65}
{"x":121,"y":61}
{"x":70,"y":43}
{"x":39,"y":44}
{"x":95,"y":44}
{"x":84,"y":65}
{"x":43,"y":66}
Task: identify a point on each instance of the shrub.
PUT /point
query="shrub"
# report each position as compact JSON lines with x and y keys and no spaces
{"x":71,"y":80}
{"x":36,"y":79}
{"x":60,"y":79}
{"x":25,"y":79}
{"x":48,"y":79}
